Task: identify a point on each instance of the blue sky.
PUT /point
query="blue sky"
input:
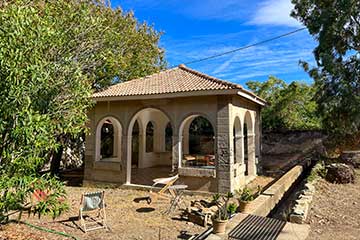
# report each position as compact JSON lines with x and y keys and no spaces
{"x":195,"y":29}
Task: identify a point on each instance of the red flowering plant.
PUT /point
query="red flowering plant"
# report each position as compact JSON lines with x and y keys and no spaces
{"x":47,"y":196}
{"x":43,"y":195}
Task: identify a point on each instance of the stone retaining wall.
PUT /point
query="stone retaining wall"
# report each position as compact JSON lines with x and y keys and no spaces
{"x":300,"y":211}
{"x":267,"y":201}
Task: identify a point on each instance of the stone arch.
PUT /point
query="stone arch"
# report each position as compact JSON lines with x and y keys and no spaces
{"x":248,"y":120}
{"x":249,"y":145}
{"x":238,"y":141}
{"x":116,"y":141}
{"x":183,"y":140}
{"x":131,"y":122}
{"x":129,"y":134}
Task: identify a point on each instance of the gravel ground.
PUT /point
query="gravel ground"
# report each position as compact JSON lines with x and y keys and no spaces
{"x":335,"y":211}
{"x":126,"y":218}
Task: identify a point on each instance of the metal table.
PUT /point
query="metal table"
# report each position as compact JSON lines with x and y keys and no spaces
{"x":177,"y":193}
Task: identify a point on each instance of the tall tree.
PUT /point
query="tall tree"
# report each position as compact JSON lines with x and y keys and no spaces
{"x":291,"y":106}
{"x":335,"y":24}
{"x":53,"y":55}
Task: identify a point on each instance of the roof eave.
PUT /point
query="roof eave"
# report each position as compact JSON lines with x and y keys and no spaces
{"x":252,"y":97}
{"x":168,"y":95}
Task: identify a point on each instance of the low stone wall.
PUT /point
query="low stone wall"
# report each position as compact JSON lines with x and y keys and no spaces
{"x":300,"y":211}
{"x":264,"y":203}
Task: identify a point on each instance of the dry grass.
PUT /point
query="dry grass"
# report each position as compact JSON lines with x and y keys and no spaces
{"x":127,"y":219}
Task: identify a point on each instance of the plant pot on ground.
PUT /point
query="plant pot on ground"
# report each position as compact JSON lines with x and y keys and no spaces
{"x":221,"y":217}
{"x":246,"y":196}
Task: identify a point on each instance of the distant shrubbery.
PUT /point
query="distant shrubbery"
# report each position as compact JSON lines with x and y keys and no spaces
{"x":290,"y":106}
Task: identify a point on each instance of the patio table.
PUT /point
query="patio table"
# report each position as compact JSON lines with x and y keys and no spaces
{"x":177,"y":193}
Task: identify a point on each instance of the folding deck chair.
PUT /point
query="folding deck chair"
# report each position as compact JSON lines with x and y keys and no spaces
{"x":166,"y":183}
{"x":93,"y":202}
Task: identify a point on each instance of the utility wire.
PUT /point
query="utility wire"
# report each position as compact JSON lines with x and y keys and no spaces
{"x":245,"y":47}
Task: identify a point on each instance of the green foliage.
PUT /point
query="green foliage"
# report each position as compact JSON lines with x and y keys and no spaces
{"x":318,"y":171}
{"x":53,"y":55}
{"x":291,"y":106}
{"x":231,"y":208}
{"x":247,"y":195}
{"x":222,"y":203}
{"x":37,"y":195}
{"x":335,"y":25}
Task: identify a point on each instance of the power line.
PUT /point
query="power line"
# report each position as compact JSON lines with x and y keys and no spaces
{"x":245,"y":47}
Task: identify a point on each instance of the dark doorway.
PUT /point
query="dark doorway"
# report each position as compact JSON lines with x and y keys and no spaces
{"x":135,"y":145}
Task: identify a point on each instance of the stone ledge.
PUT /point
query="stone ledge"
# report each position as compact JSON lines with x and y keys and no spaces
{"x":107,"y":165}
{"x":197,"y":172}
{"x":264,"y":203}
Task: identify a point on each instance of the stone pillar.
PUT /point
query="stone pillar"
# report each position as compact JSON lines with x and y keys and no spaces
{"x":258,"y":143}
{"x":90,"y":145}
{"x":185,"y":138}
{"x":223,"y":145}
{"x":124,"y":156}
{"x":176,"y":145}
{"x":239,"y":146}
{"x":251,"y":154}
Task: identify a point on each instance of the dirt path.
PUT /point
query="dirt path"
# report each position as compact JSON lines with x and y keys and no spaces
{"x":335,"y":211}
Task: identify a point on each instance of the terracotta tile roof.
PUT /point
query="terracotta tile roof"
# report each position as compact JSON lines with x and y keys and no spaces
{"x":176,"y":80}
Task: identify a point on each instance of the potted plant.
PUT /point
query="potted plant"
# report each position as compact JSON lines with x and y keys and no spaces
{"x":224,"y":209}
{"x":246,"y":195}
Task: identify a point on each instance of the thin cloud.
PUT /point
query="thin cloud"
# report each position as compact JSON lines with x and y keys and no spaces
{"x":274,"y":12}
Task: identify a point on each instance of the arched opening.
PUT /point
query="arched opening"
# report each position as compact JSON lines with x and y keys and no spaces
{"x":237,"y":140}
{"x":197,"y":143}
{"x":149,"y":139}
{"x":135,"y":145}
{"x":246,"y":149}
{"x":249,"y":145}
{"x":108,"y":140}
{"x":168,"y":137}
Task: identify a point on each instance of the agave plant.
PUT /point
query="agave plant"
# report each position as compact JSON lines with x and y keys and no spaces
{"x":222,"y":203}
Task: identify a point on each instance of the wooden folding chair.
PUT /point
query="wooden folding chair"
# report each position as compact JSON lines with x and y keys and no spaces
{"x":92,"y":202}
{"x":166,"y":183}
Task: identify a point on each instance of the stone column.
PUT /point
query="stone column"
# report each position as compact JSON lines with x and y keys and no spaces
{"x":251,"y":154}
{"x":176,"y":145}
{"x":185,"y":138}
{"x":124,"y":157}
{"x":90,"y":146}
{"x":239,"y":146}
{"x":223,"y":145}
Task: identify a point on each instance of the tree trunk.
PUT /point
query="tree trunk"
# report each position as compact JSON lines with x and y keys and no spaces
{"x":56,"y":160}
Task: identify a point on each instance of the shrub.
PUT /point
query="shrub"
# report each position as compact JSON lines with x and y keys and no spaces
{"x":247,"y":195}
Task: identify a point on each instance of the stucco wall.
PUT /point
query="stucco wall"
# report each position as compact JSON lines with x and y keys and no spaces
{"x":219,"y":110}
{"x":176,"y":110}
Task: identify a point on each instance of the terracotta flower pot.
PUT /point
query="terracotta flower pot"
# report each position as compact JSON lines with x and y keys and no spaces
{"x":219,"y":226}
{"x":243,"y":206}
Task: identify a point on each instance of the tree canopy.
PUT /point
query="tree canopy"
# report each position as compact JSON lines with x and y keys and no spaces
{"x":291,"y":106}
{"x":53,"y":55}
{"x":335,"y":24}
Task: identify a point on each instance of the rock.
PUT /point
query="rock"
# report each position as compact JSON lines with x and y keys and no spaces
{"x":340,"y":173}
{"x":351,"y":158}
